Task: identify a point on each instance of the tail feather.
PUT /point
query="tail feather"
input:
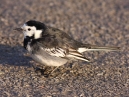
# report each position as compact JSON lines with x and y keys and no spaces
{"x":97,"y":48}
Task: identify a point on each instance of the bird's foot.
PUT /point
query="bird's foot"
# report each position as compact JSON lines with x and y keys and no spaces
{"x":42,"y":72}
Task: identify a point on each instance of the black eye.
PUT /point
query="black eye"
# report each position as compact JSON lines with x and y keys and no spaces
{"x":29,"y":29}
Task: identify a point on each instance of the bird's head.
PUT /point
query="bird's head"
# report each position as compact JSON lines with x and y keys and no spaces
{"x":32,"y":29}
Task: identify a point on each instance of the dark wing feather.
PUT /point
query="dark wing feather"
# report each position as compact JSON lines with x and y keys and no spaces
{"x":63,"y":39}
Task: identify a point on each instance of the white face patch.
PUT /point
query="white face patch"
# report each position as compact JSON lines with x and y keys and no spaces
{"x":30,"y":31}
{"x":37,"y":34}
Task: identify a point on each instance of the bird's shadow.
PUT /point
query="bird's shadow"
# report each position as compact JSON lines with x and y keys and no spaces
{"x":13,"y":55}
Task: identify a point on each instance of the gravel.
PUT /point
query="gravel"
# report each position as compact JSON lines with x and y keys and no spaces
{"x":100,"y":22}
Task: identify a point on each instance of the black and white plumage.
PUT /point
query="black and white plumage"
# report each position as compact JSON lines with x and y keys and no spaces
{"x":53,"y":47}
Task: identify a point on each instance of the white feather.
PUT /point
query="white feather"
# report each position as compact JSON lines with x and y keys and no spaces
{"x":37,"y":34}
{"x":81,"y":50}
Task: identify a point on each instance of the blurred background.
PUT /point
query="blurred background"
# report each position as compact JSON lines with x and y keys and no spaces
{"x":100,"y":22}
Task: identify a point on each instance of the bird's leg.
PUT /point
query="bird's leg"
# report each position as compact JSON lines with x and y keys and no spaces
{"x":34,"y":65}
{"x":43,"y":71}
{"x":54,"y":69}
{"x":38,"y":70}
{"x":51,"y":73}
{"x":47,"y":74}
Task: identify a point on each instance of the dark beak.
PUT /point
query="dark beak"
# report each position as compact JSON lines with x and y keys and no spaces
{"x":18,"y":29}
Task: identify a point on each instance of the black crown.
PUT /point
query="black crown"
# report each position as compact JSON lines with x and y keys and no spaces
{"x":37,"y":24}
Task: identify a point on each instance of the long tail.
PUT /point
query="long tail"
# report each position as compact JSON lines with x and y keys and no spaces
{"x":97,"y":48}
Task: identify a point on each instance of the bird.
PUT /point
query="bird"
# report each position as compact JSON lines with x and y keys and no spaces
{"x":54,"y":47}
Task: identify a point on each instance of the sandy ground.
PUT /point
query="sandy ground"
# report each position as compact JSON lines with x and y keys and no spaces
{"x":100,"y":22}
